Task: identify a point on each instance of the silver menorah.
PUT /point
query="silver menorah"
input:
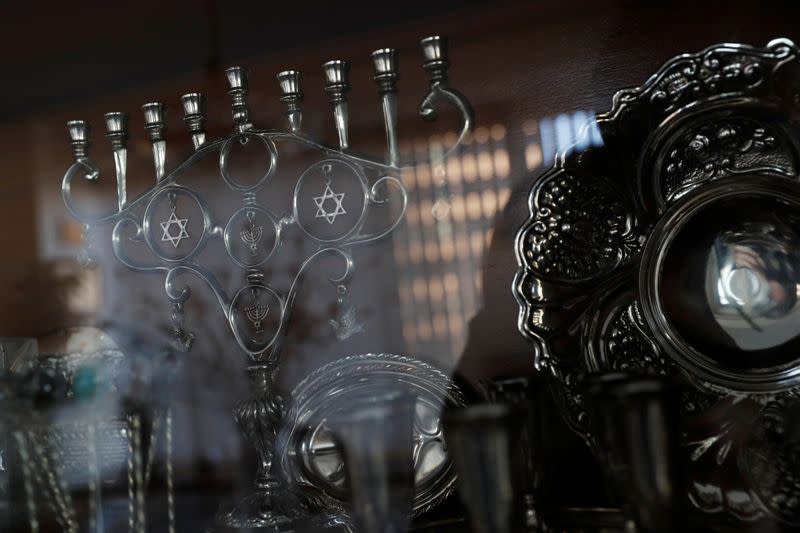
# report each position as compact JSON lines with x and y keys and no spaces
{"x":173,"y":222}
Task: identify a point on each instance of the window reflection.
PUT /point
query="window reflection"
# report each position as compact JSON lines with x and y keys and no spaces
{"x":451,"y":211}
{"x":562,"y":134}
{"x":452,"y":206}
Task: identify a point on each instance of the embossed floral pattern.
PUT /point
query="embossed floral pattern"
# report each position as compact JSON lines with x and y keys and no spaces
{"x":720,"y":148}
{"x":579,"y":229}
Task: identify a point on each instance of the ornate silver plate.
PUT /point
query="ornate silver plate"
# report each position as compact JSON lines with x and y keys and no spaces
{"x":674,"y":248}
{"x":312,"y":460}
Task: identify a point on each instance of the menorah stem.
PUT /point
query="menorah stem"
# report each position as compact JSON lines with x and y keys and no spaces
{"x":160,"y":158}
{"x":341,"y":117}
{"x":117,"y":133}
{"x":295,"y":118}
{"x":389,"y":105}
{"x":198,"y":140}
{"x":337,"y":85}
{"x":260,"y":417}
{"x":155,"y":128}
{"x":385,"y":62}
{"x":120,"y":163}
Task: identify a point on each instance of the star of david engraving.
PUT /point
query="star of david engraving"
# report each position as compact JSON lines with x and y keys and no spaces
{"x":329,"y":196}
{"x":167,"y":227}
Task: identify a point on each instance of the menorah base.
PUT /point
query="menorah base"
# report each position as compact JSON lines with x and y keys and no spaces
{"x":269,"y":508}
{"x":272,"y":507}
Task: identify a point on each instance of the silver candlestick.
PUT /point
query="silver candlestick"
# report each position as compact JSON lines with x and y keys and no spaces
{"x":258,"y":314}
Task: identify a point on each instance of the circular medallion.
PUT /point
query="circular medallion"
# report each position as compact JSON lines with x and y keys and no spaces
{"x":251,"y":235}
{"x":175,"y":223}
{"x":246,"y":143}
{"x":255,"y":314}
{"x":330,"y":200}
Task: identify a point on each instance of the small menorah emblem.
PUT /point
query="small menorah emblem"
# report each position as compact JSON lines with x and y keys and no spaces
{"x":256,"y":313}
{"x":252,"y":233}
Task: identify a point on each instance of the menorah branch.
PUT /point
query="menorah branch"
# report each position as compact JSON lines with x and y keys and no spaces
{"x":117,"y":128}
{"x":156,"y":128}
{"x":385,"y":62}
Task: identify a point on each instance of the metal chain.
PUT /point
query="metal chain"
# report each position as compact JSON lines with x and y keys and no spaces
{"x":138,"y":472}
{"x":170,"y":473}
{"x":63,"y":502}
{"x":91,"y":450}
{"x":153,"y":441}
{"x":27,"y":474}
{"x":95,"y":482}
{"x":42,"y":487}
{"x":131,"y":498}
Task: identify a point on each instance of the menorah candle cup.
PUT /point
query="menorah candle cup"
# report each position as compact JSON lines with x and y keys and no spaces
{"x":483,"y":440}
{"x":155,"y":127}
{"x":376,"y":438}
{"x":635,"y":421}
{"x":154,"y":120}
{"x":337,"y":75}
{"x":289,"y":82}
{"x":337,"y":84}
{"x":237,"y":88}
{"x":194,"y":114}
{"x":435,"y":61}
{"x":117,"y":128}
{"x":79,"y":141}
{"x":385,"y":63}
{"x":78,"y":138}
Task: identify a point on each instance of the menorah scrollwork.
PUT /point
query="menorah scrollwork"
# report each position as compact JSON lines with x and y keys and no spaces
{"x":173,"y":222}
